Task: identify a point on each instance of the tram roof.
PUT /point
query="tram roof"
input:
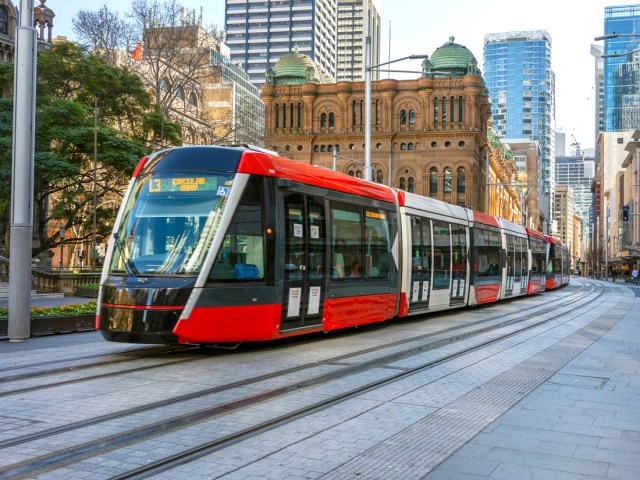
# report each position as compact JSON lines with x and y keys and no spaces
{"x":260,"y":163}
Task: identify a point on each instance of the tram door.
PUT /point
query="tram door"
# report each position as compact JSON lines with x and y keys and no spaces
{"x":459,"y":260}
{"x":304,"y":261}
{"x":421,"y":260}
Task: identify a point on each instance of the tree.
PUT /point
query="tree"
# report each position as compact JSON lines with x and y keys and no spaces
{"x":70,"y":84}
{"x":103,"y":32}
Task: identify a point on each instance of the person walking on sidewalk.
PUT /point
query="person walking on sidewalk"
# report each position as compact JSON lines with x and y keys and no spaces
{"x":634,"y":276}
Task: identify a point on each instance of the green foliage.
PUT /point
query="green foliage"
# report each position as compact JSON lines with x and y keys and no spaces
{"x":71,"y":83}
{"x":63,"y":310}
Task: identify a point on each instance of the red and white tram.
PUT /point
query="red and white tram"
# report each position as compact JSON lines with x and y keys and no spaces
{"x":224,"y":245}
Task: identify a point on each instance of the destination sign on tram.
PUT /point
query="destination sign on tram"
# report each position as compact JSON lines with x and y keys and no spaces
{"x":182,"y":184}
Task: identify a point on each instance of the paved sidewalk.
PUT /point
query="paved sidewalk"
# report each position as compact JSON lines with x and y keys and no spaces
{"x":581,"y":424}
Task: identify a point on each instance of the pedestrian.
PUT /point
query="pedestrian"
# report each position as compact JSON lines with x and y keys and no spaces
{"x":634,"y":276}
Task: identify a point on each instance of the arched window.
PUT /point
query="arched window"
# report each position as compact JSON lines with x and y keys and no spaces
{"x":412,"y":117}
{"x":291,"y":116}
{"x":460,"y":109}
{"x":410,"y":146}
{"x":435,"y":110}
{"x":462,"y":184}
{"x":411,"y":187}
{"x":403,"y":117}
{"x":433,"y":181}
{"x":402,"y":185}
{"x":284,"y":115}
{"x":323,"y":120}
{"x":351,"y":172}
{"x":332,"y":120}
{"x":277,"y":112}
{"x":379,"y":176}
{"x":354,"y":113}
{"x":377,"y":112}
{"x":323,"y":148}
{"x":165,"y":85}
{"x":447,"y":180}
{"x":299,"y":115}
{"x":359,"y":174}
{"x":361,"y":112}
{"x":444,"y":109}
{"x":316,"y":148}
{"x":4,"y":21}
{"x":337,"y":148}
{"x":193,"y":99}
{"x":453,"y":107}
{"x":403,"y":146}
{"x":330,"y":148}
{"x":180,"y":94}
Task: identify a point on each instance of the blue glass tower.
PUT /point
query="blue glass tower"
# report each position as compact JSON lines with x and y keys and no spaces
{"x":622,"y":74}
{"x":517,"y":72}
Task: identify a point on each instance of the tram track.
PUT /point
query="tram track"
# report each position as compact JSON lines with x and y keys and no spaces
{"x":165,"y":350}
{"x":78,"y":452}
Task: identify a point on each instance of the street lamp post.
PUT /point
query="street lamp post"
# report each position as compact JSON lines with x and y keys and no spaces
{"x":367,"y":101}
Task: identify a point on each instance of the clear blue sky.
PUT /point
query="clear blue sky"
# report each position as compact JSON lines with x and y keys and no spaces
{"x":421,"y":26}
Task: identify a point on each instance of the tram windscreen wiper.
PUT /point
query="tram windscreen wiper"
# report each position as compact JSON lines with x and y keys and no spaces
{"x":128,"y":263}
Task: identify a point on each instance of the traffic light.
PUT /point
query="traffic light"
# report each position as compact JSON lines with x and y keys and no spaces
{"x":625,"y":214}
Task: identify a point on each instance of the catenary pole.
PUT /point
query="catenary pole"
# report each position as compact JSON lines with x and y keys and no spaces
{"x":21,"y":227}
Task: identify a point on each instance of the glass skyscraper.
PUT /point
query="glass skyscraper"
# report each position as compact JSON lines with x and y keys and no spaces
{"x":517,"y":72}
{"x":259,"y":32}
{"x":622,"y":74}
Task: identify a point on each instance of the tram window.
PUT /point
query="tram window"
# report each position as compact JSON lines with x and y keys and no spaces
{"x":241,"y":256}
{"x":441,"y":256}
{"x":487,"y":252}
{"x":377,"y":243}
{"x":346,"y":241}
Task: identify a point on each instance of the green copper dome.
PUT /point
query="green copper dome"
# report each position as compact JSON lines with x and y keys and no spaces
{"x":295,"y":69}
{"x":454,"y":59}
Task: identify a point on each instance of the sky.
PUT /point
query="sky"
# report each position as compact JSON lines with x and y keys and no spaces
{"x":421,"y":26}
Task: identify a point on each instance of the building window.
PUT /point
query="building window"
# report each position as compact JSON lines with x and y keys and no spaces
{"x":411,"y":187}
{"x":354,"y":113}
{"x":444,"y":109}
{"x":316,"y":148}
{"x":447,"y":180}
{"x":460,"y":109}
{"x":403,"y":117}
{"x":462,"y":186}
{"x":377,"y":112}
{"x":291,"y":116}
{"x":410,"y":146}
{"x":332,"y":120}
{"x":361,"y":112}
{"x":323,"y":120}
{"x":452,"y":108}
{"x":412,"y":117}
{"x":403,"y":146}
{"x":299,"y":115}
{"x":402,"y":184}
{"x":435,"y":110}
{"x":284,"y":115}
{"x":4,"y":21}
{"x":379,"y":176}
{"x":433,"y":181}
{"x":277,"y":111}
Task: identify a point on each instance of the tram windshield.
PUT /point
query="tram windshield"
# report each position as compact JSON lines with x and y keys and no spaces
{"x":169,"y":223}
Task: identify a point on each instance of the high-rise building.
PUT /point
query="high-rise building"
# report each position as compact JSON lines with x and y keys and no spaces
{"x":622,"y":73}
{"x":356,"y":20}
{"x":517,"y":68}
{"x":259,"y":32}
{"x":598,"y":69}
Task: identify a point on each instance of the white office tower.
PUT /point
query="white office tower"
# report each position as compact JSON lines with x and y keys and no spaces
{"x":356,"y":19}
{"x":259,"y":32}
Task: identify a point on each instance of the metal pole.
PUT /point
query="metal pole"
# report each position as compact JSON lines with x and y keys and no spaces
{"x":21,"y":229}
{"x":367,"y":108}
{"x":95,"y":180}
{"x":486,"y":191}
{"x":606,"y":243}
{"x":334,"y":159}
